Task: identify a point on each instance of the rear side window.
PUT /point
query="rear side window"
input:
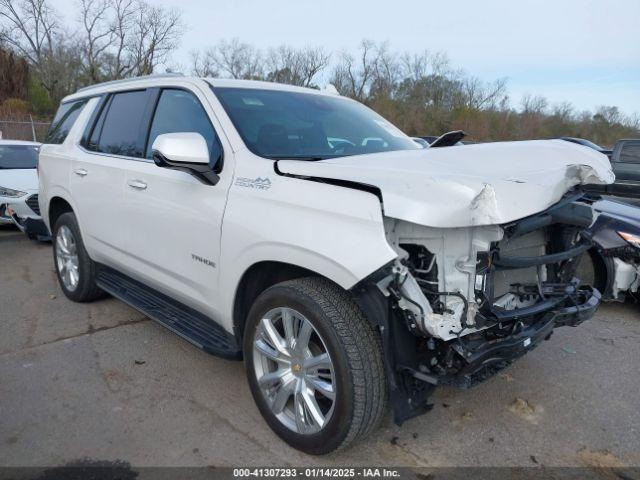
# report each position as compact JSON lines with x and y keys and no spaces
{"x":65,"y":117}
{"x":630,"y":153}
{"x":118,"y":128}
{"x":181,"y":111}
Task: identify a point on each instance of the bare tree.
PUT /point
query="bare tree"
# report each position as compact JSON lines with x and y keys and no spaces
{"x":203,"y":64}
{"x":532,"y":116}
{"x":353,"y":75}
{"x":156,"y":33}
{"x":97,"y":35}
{"x":31,"y":29}
{"x":533,"y":105}
{"x":479,"y":94}
{"x":232,"y":59}
{"x":386,"y":75}
{"x":123,"y":38}
{"x":296,"y":66}
{"x":237,"y":60}
{"x":116,"y":39}
{"x":117,"y":62}
{"x":419,"y":65}
{"x":608,"y":115}
{"x":563,"y":112}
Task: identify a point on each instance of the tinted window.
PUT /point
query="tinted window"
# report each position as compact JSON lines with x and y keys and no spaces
{"x":285,"y":124}
{"x":120,"y":131}
{"x":18,"y":156}
{"x":630,"y":152}
{"x":92,"y":143}
{"x":180,"y":111}
{"x":64,"y":120}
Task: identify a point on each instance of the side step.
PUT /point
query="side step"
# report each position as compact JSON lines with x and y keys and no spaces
{"x":190,"y":324}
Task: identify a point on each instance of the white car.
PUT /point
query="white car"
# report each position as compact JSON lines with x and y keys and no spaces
{"x":18,"y":180}
{"x":343,"y":272}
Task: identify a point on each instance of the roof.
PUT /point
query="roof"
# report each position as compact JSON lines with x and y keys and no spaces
{"x":164,"y":79}
{"x":19,"y":142}
{"x":235,"y":83}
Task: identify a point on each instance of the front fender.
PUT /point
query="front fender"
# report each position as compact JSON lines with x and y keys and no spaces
{"x":334,"y":231}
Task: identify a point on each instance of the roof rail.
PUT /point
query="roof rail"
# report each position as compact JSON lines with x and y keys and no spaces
{"x":132,"y":79}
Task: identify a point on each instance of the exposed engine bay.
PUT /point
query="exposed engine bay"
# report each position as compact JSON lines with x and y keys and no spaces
{"x":466,"y":302}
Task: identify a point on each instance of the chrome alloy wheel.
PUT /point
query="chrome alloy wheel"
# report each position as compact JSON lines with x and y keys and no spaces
{"x":294,"y":370}
{"x":67,"y":258}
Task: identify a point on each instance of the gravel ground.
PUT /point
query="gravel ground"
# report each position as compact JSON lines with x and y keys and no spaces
{"x":100,"y":381}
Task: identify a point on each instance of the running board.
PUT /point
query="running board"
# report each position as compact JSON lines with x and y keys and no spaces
{"x":190,"y":324}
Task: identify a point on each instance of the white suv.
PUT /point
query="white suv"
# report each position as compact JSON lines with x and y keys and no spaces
{"x":304,"y":233}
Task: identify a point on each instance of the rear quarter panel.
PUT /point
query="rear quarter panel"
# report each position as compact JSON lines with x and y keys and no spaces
{"x":54,"y":165}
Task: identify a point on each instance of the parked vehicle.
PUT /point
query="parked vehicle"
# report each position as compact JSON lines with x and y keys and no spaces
{"x":625,"y":160}
{"x":19,"y":186}
{"x":613,"y":264}
{"x":302,"y":231}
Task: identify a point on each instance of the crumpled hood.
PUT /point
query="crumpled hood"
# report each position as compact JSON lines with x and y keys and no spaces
{"x":484,"y":184}
{"x":24,"y":179}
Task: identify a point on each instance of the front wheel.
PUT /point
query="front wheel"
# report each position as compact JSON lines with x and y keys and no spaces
{"x":314,"y":365}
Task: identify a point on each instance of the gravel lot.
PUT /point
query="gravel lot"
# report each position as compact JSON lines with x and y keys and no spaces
{"x":100,"y":381}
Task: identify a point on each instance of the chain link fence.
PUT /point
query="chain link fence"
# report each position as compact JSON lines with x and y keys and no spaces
{"x":23,"y":130}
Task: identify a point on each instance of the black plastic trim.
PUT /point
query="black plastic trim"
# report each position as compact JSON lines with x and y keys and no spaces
{"x":88,"y":129}
{"x":365,"y":187}
{"x":186,"y":322}
{"x":408,"y":396}
{"x":525,"y":262}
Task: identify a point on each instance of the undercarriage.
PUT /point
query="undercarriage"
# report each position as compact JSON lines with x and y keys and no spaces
{"x":459,"y":306}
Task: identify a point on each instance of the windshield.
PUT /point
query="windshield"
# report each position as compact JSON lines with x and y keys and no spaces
{"x":283,"y":124}
{"x":18,"y":156}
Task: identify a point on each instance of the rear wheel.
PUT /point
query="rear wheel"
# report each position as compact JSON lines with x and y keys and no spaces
{"x":76,"y":272}
{"x":314,"y":365}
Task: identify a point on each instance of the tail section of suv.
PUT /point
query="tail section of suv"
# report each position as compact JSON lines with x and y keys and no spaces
{"x":302,"y":232}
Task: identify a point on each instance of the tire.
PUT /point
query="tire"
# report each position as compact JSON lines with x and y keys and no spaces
{"x":357,"y":375}
{"x":85,"y":289}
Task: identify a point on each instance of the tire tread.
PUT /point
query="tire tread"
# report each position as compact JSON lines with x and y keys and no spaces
{"x":87,"y":289}
{"x":364,"y":351}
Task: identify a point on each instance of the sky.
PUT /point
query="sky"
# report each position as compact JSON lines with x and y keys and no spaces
{"x":586,"y":52}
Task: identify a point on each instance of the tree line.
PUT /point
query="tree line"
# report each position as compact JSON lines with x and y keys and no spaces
{"x":422,"y":93}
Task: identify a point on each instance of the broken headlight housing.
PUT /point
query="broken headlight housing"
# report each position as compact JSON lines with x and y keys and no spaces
{"x":631,"y":239}
{"x":9,"y":192}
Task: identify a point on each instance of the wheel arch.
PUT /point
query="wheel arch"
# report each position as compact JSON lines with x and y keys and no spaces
{"x":255,"y":280}
{"x":604,"y":270}
{"x":57,"y":206}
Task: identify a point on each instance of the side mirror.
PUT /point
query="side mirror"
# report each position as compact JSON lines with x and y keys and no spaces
{"x":186,"y":152}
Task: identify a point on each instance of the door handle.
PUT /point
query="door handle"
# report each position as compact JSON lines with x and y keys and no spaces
{"x":137,"y":184}
{"x":81,"y":172}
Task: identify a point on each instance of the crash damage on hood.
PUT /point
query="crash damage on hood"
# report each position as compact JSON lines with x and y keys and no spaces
{"x":470,"y":185}
{"x":488,"y":238}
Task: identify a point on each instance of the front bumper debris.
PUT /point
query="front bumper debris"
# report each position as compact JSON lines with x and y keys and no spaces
{"x":520,"y":288}
{"x":32,"y":227}
{"x":486,"y":358}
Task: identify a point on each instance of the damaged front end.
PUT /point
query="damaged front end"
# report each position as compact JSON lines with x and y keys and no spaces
{"x":460,"y":304}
